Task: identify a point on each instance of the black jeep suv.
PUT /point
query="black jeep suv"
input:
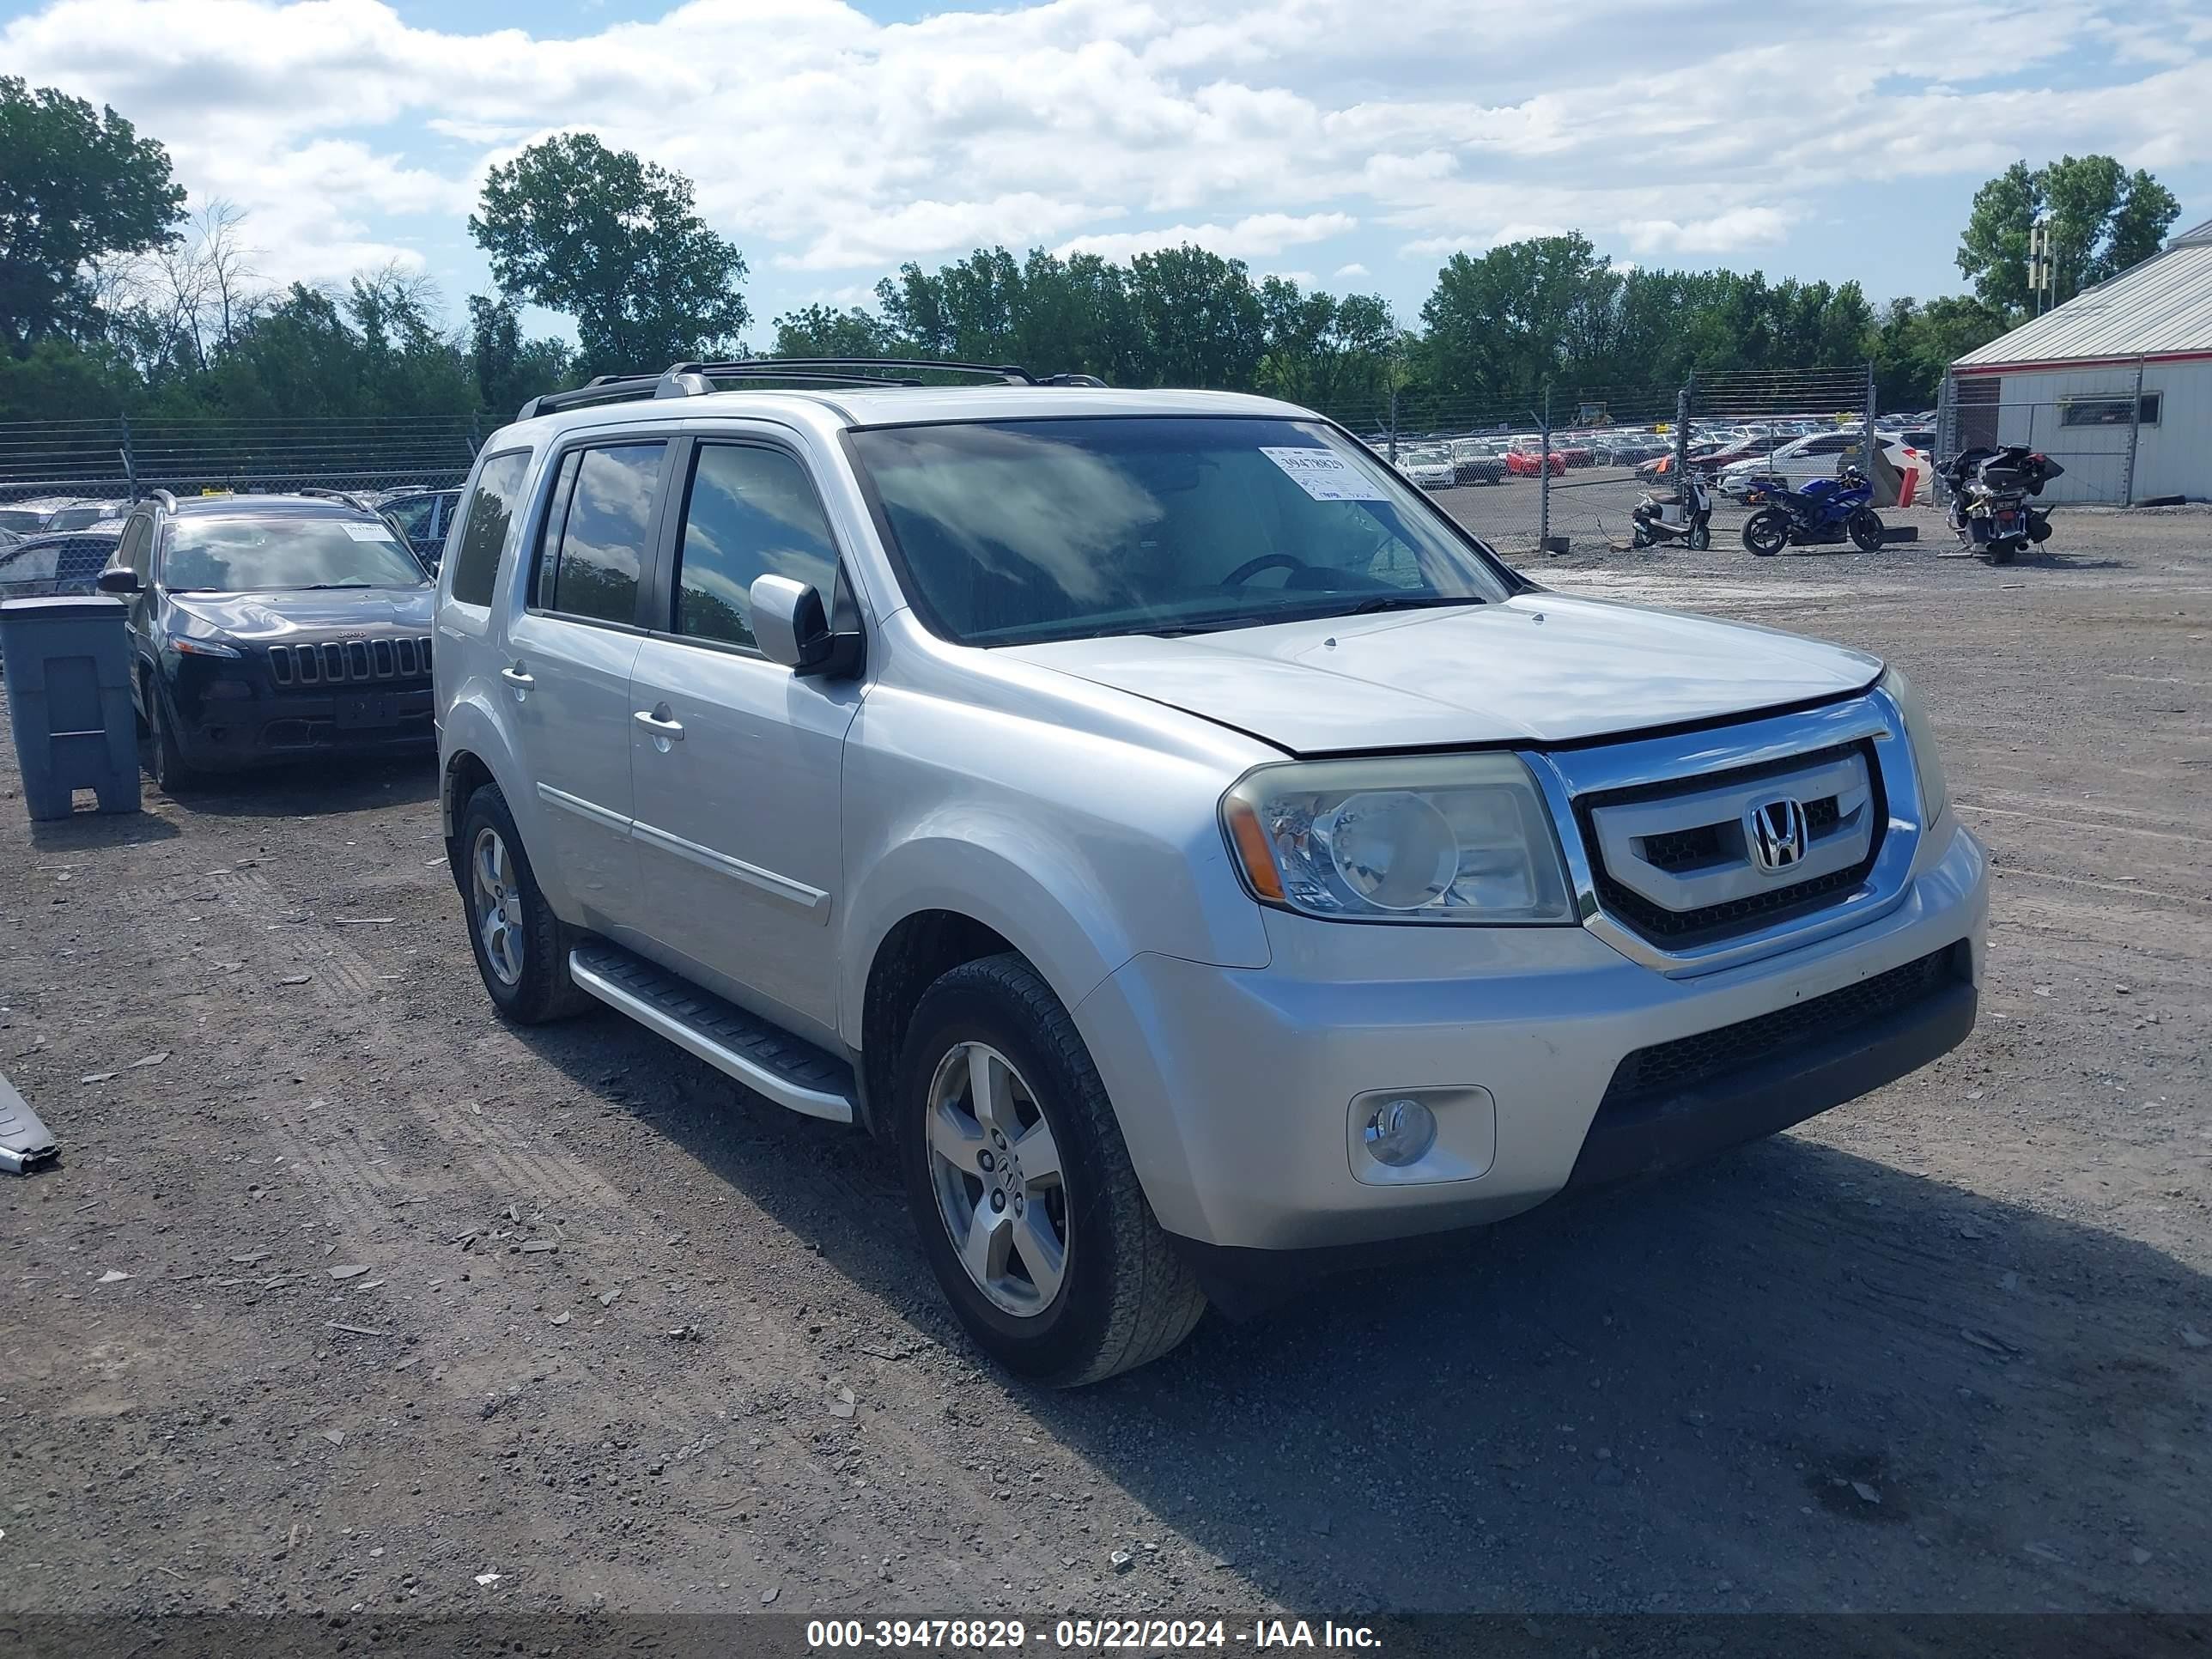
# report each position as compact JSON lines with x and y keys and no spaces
{"x":264,"y":627}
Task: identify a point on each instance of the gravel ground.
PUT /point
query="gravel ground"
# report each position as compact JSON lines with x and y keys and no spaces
{"x":348,"y":1296}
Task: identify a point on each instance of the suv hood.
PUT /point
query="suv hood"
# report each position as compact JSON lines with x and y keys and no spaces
{"x":1541,"y":668}
{"x":277,"y":612}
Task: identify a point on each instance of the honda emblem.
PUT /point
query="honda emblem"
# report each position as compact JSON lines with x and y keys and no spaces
{"x":1774,"y":834}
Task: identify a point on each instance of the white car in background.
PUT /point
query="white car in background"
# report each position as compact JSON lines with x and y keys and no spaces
{"x":1429,"y":465}
{"x":1803,"y":459}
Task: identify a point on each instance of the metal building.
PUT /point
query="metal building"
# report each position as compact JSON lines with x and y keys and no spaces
{"x":2114,"y":385}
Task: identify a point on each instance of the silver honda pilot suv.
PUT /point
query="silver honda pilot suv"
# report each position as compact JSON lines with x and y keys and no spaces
{"x":1193,"y":852}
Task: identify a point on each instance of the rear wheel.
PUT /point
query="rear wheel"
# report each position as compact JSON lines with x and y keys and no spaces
{"x":1766,"y":533}
{"x":520,"y":946}
{"x":1029,"y":1212}
{"x":1865,"y":528}
{"x":2002,"y":552}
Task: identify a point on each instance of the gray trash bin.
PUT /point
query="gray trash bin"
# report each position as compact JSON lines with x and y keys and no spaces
{"x":67,"y":665}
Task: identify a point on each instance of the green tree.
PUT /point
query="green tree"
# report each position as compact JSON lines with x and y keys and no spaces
{"x":1913,"y":344}
{"x":616,"y":242}
{"x":76,"y":186}
{"x":823,"y":331}
{"x":1202,"y":321}
{"x":1509,"y":320}
{"x":509,"y":369}
{"x":2103,"y":220}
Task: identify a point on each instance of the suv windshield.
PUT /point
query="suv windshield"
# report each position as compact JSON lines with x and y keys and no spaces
{"x":1011,"y":532}
{"x":246,"y":554}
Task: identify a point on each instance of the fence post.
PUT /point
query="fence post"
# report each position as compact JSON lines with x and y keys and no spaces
{"x":1867,"y":439}
{"x":130,"y":460}
{"x":2135,"y":433}
{"x":1544,"y":478}
{"x":475,"y":435}
{"x":1681,"y":468}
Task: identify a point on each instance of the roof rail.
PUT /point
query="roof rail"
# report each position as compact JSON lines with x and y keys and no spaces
{"x":692,"y":379}
{"x":162,"y":498}
{"x":349,"y":499}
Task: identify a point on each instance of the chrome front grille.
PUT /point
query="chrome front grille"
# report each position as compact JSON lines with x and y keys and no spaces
{"x":1680,"y":862}
{"x":348,"y":662}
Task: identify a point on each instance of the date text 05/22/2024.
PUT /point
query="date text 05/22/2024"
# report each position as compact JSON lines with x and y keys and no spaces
{"x":1084,"y":1635}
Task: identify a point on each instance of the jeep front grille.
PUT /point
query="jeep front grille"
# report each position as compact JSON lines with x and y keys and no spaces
{"x":344,"y":662}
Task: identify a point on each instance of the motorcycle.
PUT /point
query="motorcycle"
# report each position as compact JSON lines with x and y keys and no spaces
{"x":1816,"y":515}
{"x":1683,"y":514}
{"x":1989,"y":490}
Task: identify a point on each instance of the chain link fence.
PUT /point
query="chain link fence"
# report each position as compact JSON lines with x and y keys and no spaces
{"x":122,"y":460}
{"x":2102,"y":424}
{"x":1560,"y":468}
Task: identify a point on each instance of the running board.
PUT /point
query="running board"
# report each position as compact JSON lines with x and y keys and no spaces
{"x":788,"y":1070}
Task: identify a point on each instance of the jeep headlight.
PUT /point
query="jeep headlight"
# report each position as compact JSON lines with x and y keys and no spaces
{"x":1927,"y":764}
{"x":1462,"y":839}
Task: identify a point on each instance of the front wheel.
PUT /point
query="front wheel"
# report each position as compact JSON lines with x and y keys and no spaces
{"x":1641,"y":535}
{"x":1766,"y":533}
{"x":1701,"y":536}
{"x":522,"y":947}
{"x":1865,"y":528}
{"x":1029,"y":1212}
{"x":173,"y":772}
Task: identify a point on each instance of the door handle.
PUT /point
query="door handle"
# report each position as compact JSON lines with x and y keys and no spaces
{"x":514,"y":676}
{"x":671,"y":730}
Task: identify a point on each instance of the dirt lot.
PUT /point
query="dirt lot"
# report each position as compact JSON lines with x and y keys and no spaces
{"x":414,"y":1298}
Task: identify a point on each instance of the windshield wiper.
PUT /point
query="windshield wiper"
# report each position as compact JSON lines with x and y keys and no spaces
{"x":312,"y":587}
{"x":1409,"y":602}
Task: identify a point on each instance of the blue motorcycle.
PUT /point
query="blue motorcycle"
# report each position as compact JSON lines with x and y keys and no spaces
{"x":1819,"y":513}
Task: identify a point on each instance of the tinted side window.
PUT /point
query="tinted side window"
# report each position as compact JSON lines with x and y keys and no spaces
{"x":610,"y":516}
{"x":138,"y":538}
{"x":491,"y":509}
{"x":749,"y":512}
{"x":415,"y":516}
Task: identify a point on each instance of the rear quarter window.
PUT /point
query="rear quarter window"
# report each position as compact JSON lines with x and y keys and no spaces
{"x":489,"y":511}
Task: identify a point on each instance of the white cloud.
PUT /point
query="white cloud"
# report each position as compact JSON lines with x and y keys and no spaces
{"x":1731,"y":232}
{"x":831,"y":145}
{"x":1257,"y":236}
{"x":1348,"y":273}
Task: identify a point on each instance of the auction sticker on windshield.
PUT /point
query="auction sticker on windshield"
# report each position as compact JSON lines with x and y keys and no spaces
{"x":365,"y":532}
{"x":1324,"y":475}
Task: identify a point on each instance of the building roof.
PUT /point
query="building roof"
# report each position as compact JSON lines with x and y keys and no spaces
{"x":2161,"y":307}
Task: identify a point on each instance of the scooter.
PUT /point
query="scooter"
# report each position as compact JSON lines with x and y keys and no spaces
{"x":1989,"y":490}
{"x":1683,"y":514}
{"x":1816,"y":515}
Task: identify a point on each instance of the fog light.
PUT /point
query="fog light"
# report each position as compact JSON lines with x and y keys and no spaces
{"x":1400,"y":1132}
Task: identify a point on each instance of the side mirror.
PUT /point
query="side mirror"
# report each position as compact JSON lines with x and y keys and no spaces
{"x":792,"y":627}
{"x":117,"y":579}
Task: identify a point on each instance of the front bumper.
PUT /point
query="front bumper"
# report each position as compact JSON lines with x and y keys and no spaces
{"x":230,"y":715}
{"x":1233,"y":1086}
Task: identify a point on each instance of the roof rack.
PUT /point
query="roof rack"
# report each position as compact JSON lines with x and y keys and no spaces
{"x":693,"y":380}
{"x":349,"y":499}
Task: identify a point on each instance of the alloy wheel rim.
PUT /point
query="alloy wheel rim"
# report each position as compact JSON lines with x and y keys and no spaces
{"x":995,"y":1169}
{"x":498,"y":905}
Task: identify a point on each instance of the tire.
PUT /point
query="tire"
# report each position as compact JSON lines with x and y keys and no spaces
{"x":1766,"y":533}
{"x":527,"y":979}
{"x":1085,"y":1284}
{"x":1640,"y":537}
{"x":2002,"y":552}
{"x":1864,"y":527}
{"x":173,"y":772}
{"x":1701,"y":536}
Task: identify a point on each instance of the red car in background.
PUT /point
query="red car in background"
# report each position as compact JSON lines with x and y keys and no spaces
{"x":1527,"y":463}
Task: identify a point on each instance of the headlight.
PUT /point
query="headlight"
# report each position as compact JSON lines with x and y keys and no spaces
{"x":198,"y":648}
{"x":1459,"y":839}
{"x":1927,"y":764}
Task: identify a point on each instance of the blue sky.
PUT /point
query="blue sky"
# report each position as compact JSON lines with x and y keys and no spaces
{"x":1348,"y":144}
